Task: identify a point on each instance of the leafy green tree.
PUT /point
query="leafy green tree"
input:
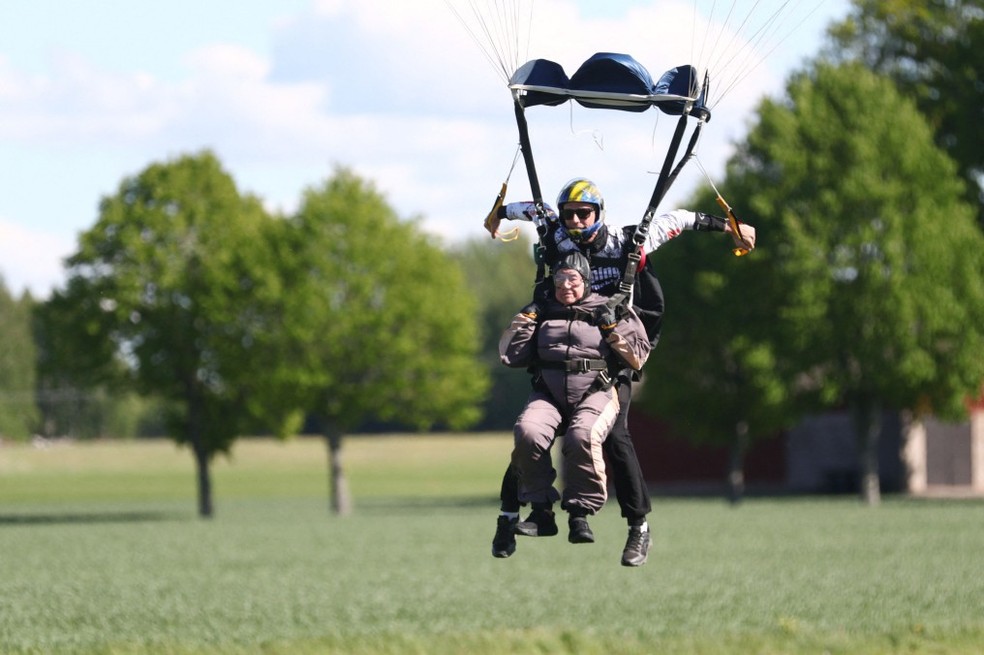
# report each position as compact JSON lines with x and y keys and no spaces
{"x":500,"y":274}
{"x":870,"y":260}
{"x":169,"y":292}
{"x":715,"y":376}
{"x":18,"y":412}
{"x":83,"y":392}
{"x":381,"y":324}
{"x":866,"y":290}
{"x":934,"y":51}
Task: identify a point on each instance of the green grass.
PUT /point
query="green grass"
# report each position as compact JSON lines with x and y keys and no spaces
{"x":101,"y":552}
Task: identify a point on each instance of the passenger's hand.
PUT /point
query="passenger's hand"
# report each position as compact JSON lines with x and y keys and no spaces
{"x":531,"y":311}
{"x":604,"y":318}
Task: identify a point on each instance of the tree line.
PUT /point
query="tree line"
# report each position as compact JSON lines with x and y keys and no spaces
{"x":238,"y":322}
{"x":191,"y":311}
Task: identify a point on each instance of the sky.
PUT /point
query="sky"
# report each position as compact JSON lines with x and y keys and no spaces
{"x":411,"y":96}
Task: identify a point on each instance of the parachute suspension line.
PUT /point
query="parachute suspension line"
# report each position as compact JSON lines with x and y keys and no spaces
{"x":497,"y":32}
{"x":740,"y":44}
{"x":742,"y":59}
{"x":512,"y":167}
{"x":693,"y":38}
{"x":719,"y":52}
{"x":747,"y":70}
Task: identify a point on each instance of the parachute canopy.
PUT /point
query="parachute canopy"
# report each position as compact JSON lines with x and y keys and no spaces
{"x":610,"y":81}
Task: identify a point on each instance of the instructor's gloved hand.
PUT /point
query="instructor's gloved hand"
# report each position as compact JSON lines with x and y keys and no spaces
{"x":531,"y":311}
{"x":604,"y":318}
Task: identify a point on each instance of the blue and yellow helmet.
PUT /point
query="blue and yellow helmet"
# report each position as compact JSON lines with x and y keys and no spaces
{"x":582,"y":190}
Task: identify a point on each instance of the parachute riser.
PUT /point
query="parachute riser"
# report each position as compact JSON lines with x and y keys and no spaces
{"x":667,"y":176}
{"x":540,"y":213}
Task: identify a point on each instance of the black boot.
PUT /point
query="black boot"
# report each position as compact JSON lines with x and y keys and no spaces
{"x":580,"y":531}
{"x":540,"y":523}
{"x":504,"y":541}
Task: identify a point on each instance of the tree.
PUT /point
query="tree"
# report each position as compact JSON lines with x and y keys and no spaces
{"x":866,"y":289}
{"x":78,"y":393}
{"x":169,"y":292}
{"x":501,"y":274}
{"x":18,"y":413}
{"x":871,"y":261}
{"x":381,"y":324}
{"x":715,"y":376}
{"x":934,"y":51}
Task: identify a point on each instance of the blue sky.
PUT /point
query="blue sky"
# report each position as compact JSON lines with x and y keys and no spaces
{"x":285,"y":90}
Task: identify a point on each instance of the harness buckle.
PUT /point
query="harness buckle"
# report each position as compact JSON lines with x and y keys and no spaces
{"x":581,"y":365}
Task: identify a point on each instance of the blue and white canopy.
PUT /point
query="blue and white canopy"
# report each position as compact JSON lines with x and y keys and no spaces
{"x":610,"y":81}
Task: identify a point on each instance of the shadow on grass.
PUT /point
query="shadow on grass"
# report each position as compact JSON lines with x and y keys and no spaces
{"x":426,"y":503}
{"x":86,"y":517}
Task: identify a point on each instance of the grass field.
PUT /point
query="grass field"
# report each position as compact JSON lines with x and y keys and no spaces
{"x":101,"y":552}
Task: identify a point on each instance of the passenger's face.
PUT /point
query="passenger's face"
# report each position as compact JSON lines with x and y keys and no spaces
{"x":568,"y":286}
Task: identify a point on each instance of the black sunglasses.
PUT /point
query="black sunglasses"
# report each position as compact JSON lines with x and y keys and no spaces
{"x":581,"y":212}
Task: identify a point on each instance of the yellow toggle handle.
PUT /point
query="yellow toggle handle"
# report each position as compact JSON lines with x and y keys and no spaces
{"x":735,"y":226}
{"x":512,"y":234}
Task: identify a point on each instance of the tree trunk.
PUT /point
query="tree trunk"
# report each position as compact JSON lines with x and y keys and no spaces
{"x":736,"y":464}
{"x":867,"y":425}
{"x":197,"y":441}
{"x":340,"y":501}
{"x":204,"y":482}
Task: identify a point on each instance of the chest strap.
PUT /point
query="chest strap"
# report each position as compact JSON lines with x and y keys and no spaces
{"x":567,"y":314}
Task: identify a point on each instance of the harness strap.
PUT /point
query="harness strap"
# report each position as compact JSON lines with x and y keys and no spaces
{"x":540,"y":217}
{"x":603,"y":382}
{"x":576,"y":365}
{"x":667,"y":176}
{"x":567,"y":314}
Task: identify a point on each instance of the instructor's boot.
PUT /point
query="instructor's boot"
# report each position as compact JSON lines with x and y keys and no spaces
{"x":504,"y":541}
{"x":636,"y":547}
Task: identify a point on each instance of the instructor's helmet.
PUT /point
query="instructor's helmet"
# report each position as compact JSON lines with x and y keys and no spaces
{"x":582,"y":190}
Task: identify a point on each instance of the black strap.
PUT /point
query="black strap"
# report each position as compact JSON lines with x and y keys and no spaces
{"x":566,"y":314}
{"x":575,"y":365}
{"x":540,"y":219}
{"x":667,"y":176}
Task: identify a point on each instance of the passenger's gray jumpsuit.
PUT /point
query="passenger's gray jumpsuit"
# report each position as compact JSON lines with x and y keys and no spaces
{"x":561,"y":349}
